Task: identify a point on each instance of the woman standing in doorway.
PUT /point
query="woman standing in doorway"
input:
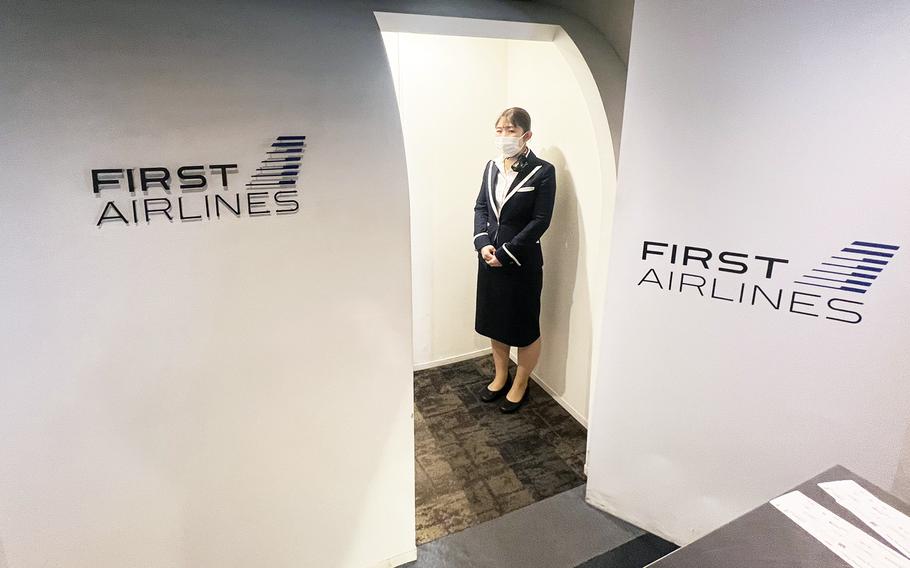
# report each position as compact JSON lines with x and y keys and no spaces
{"x":512,"y":212}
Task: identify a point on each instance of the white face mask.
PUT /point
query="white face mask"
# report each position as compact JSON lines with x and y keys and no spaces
{"x":508,"y":145}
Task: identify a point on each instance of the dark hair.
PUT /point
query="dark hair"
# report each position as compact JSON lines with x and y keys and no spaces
{"x":517,"y":116}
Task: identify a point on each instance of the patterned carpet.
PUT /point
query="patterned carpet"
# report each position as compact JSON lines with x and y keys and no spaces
{"x":475,"y":463}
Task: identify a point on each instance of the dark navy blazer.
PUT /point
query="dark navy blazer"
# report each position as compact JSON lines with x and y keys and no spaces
{"x":516,"y":226}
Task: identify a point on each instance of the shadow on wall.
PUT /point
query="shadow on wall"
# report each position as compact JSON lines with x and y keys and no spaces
{"x":561,"y":247}
{"x":901,"y":486}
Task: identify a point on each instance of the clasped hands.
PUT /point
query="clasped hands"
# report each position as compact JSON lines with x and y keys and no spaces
{"x":490,"y":258}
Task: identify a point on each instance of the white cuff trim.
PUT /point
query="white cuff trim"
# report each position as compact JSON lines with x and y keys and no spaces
{"x":478,"y":234}
{"x":510,"y":254}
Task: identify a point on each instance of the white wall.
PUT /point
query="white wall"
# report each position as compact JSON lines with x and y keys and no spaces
{"x":447,"y":124}
{"x":773,"y":129}
{"x":230,"y":393}
{"x":217,"y":393}
{"x":450,"y":91}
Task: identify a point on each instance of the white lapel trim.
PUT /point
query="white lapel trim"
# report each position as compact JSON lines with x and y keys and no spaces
{"x":517,"y":187}
{"x":490,"y":189}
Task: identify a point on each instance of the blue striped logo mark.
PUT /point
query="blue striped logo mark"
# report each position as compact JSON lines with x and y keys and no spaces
{"x":281,"y":166}
{"x":853,"y":269}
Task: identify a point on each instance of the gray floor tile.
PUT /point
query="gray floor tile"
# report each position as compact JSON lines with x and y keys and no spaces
{"x":562,"y":531}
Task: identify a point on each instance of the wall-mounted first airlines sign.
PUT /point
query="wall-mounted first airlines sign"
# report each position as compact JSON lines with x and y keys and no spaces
{"x":144,"y":195}
{"x":832,"y":290}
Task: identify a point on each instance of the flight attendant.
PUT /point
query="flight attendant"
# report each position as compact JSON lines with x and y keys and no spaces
{"x":511,"y":213}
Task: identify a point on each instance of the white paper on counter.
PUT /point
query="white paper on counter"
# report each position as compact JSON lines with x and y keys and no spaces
{"x":854,"y":546}
{"x":881,"y":517}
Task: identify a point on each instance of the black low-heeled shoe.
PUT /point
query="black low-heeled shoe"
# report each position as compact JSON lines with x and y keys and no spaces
{"x":508,"y":406}
{"x":487,"y":395}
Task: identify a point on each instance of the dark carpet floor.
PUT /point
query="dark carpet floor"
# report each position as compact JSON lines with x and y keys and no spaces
{"x":475,"y":463}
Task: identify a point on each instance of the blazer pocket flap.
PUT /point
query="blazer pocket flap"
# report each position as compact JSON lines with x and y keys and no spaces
{"x":529,"y":188}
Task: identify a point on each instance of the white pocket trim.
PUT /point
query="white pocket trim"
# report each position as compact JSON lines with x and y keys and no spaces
{"x":529,"y":188}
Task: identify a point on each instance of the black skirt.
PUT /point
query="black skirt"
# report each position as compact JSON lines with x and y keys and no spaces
{"x":508,"y":303}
